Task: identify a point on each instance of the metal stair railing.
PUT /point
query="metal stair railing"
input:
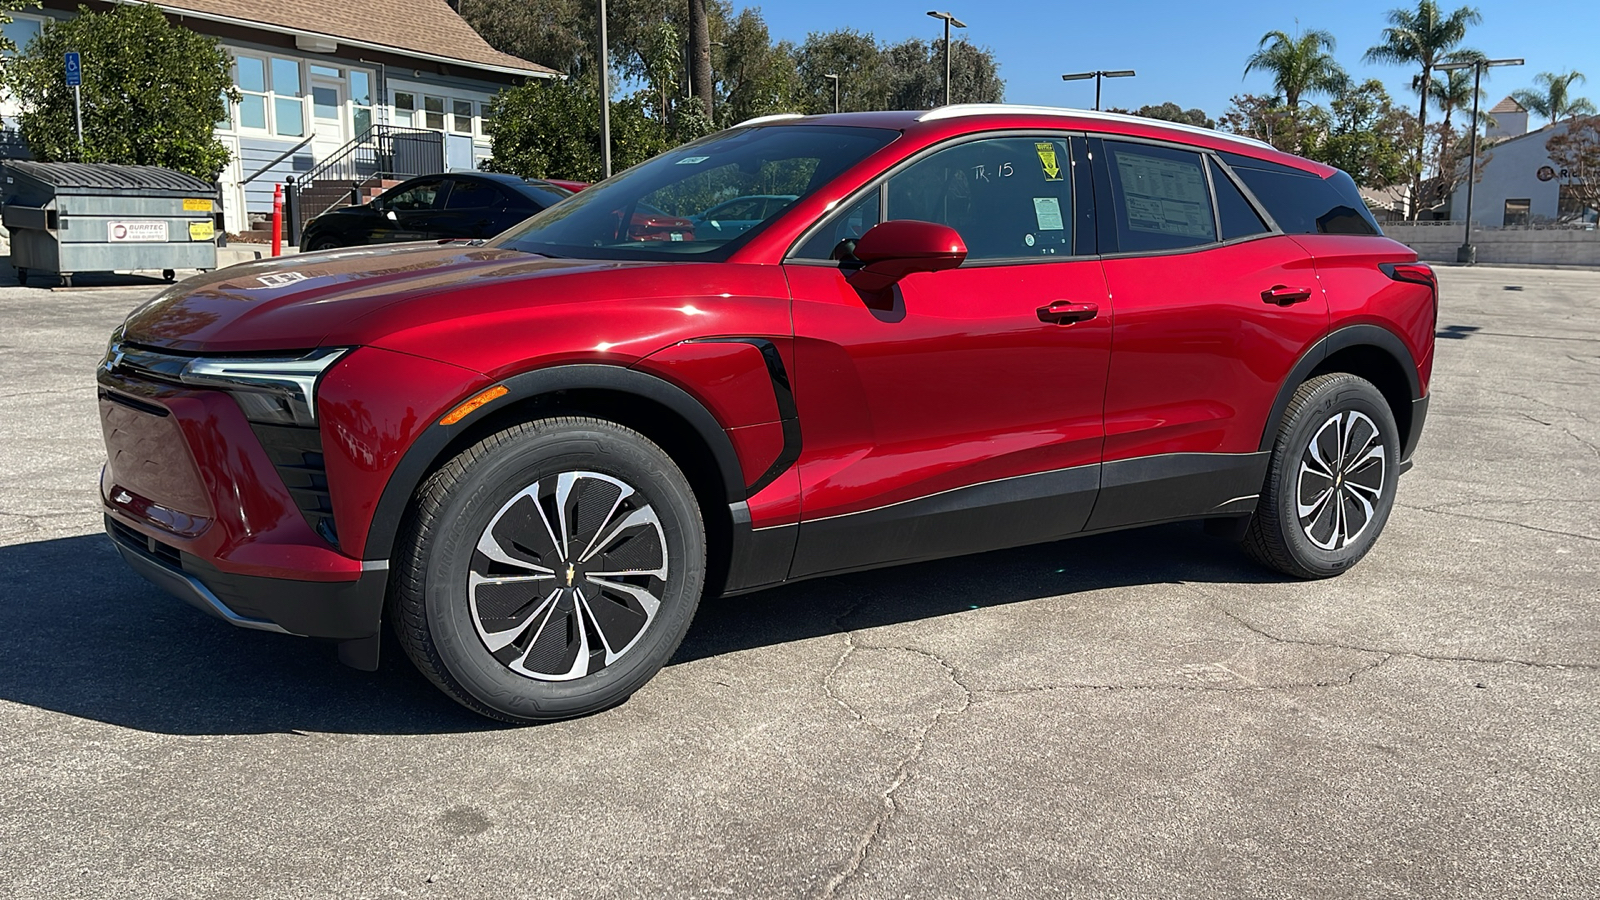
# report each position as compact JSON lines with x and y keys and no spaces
{"x":381,"y":151}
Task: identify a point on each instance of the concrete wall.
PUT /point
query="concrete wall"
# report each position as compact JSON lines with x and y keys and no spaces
{"x":1438,"y":241}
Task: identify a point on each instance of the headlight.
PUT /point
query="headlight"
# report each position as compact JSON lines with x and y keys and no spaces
{"x":275,"y":391}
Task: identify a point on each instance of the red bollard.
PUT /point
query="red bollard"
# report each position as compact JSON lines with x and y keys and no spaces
{"x":277,"y":220}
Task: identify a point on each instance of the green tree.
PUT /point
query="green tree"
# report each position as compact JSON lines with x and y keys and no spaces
{"x":1300,"y":65}
{"x":551,"y":129}
{"x":1423,"y":37}
{"x":851,"y":55}
{"x":1367,"y":136}
{"x":1170,"y":112}
{"x":1553,"y":99}
{"x":152,"y":92}
{"x":758,"y":76}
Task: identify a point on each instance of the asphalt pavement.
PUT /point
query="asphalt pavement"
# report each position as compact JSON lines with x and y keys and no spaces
{"x":1142,"y":714}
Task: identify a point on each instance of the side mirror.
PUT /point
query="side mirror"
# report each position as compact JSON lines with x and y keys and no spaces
{"x":893,"y":250}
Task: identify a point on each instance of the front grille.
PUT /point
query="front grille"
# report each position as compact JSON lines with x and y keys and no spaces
{"x":149,"y":546}
{"x":297,"y":455}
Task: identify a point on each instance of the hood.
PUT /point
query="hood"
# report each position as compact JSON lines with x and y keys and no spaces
{"x":294,"y":302}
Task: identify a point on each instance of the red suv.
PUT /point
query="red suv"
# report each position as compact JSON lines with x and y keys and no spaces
{"x":972,"y":328}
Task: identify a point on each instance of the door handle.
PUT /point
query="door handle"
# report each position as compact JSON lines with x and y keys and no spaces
{"x":1283,"y":295}
{"x":1065,"y":312}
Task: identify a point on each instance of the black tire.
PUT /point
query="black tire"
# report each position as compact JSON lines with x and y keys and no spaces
{"x":1313,"y":526}
{"x":22,"y":277}
{"x":490,"y":495}
{"x":321,"y":244}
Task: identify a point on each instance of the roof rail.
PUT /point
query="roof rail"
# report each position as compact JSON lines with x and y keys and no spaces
{"x":958,"y":110}
{"x":762,"y":120}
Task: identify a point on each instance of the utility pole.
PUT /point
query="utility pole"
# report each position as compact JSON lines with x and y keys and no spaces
{"x":948,"y":21}
{"x":835,"y":79}
{"x":605,"y":97}
{"x":1097,"y":75}
{"x":1467,"y":253}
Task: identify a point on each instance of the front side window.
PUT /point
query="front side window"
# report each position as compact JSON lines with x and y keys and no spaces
{"x":1008,"y":198}
{"x":419,"y":195}
{"x":1161,"y":199}
{"x":657,"y":210}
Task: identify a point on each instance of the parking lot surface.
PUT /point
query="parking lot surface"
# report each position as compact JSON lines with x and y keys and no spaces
{"x":1141,"y":714}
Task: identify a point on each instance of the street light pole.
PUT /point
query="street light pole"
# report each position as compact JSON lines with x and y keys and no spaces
{"x":835,"y":79}
{"x":1467,"y":253}
{"x":605,"y":97}
{"x":948,"y":21}
{"x":1097,"y":75}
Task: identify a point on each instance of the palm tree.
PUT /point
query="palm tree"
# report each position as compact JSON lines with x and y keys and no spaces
{"x":1422,"y":37}
{"x":1553,"y":99}
{"x":1300,"y":65}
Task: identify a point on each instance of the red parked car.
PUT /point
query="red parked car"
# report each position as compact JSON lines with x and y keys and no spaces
{"x":976,"y":327}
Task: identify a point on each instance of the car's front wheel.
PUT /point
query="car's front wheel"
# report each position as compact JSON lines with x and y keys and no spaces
{"x":550,"y":570}
{"x":1331,"y":482}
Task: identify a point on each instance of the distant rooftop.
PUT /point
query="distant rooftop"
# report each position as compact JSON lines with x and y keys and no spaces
{"x":1507,"y":105}
{"x":427,"y":29}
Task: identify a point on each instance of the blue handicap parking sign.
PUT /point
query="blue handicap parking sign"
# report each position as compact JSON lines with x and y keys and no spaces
{"x":74,"y":69}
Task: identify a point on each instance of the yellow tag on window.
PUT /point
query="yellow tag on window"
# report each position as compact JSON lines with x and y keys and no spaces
{"x":202,"y":231}
{"x":1047,"y":160}
{"x":190,"y":205}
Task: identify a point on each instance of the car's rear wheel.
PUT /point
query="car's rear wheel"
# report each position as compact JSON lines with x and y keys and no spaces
{"x":550,"y":570}
{"x":320,"y":244}
{"x":1331,"y":482}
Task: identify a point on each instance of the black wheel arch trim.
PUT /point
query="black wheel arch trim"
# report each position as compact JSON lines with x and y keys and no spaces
{"x":1341,"y":339}
{"x":429,"y":446}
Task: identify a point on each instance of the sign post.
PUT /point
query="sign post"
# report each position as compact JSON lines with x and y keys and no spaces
{"x":75,"y":81}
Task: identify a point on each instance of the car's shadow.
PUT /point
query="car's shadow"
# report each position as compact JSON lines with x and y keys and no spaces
{"x":80,"y":634}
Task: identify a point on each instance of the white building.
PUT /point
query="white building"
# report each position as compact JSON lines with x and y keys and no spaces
{"x":314,"y":77}
{"x":1519,"y":183}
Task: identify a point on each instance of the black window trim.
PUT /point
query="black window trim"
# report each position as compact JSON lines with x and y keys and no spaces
{"x":881,"y":185}
{"x":1108,"y":229}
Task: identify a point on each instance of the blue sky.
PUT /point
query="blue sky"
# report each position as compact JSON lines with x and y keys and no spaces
{"x":1193,"y":53}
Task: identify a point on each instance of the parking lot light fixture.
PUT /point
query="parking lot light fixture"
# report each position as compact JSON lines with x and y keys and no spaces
{"x":1097,"y":75}
{"x":1467,"y":253}
{"x":949,"y":20}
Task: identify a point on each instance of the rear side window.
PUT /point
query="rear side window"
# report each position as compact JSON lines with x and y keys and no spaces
{"x":1239,"y":218}
{"x":1161,"y":198}
{"x":473,"y":195}
{"x":1303,"y":203}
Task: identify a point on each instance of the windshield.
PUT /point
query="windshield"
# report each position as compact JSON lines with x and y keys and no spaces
{"x":680,"y":204}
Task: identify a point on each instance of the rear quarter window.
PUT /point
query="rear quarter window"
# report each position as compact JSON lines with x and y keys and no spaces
{"x":1303,"y":203}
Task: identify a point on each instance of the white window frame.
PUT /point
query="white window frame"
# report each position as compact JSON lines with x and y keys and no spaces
{"x":271,"y":97}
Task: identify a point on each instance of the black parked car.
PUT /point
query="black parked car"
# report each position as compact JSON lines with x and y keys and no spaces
{"x":458,"y":205}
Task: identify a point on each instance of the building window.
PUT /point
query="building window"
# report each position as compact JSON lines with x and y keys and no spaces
{"x":433,"y":113}
{"x":360,"y":100}
{"x":486,"y":115}
{"x":252,"y":80}
{"x":1571,"y":208}
{"x":461,"y":116}
{"x":20,"y":30}
{"x":1516,"y":213}
{"x":405,"y":105}
{"x":288,"y":112}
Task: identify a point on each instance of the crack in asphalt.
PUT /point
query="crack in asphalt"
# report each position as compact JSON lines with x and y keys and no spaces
{"x":1444,"y":512}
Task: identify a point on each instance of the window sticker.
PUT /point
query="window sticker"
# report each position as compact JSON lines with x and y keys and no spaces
{"x":1047,"y":160}
{"x":692,"y":160}
{"x":1047,"y":210}
{"x":1164,"y":196}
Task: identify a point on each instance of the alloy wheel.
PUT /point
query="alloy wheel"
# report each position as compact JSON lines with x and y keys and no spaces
{"x":1341,"y":480}
{"x":567,"y":576}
